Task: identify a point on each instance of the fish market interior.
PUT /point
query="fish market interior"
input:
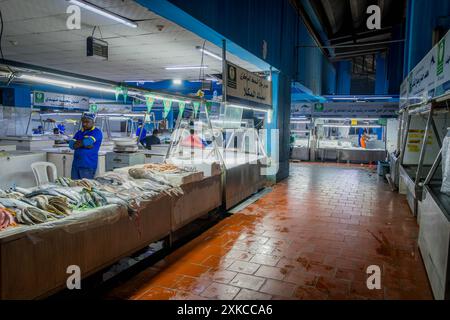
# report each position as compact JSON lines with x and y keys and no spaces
{"x":225,"y":150}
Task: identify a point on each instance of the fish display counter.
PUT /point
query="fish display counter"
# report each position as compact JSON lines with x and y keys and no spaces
{"x":86,"y":223}
{"x":91,"y":240}
{"x":360,"y":155}
{"x":157,"y":153}
{"x":242,"y":174}
{"x":348,"y":140}
{"x":201,"y":193}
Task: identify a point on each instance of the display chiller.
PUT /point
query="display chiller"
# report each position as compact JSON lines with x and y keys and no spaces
{"x":433,"y":203}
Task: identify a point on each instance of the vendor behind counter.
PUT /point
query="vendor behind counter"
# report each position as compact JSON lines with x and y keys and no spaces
{"x":86,"y":144}
{"x":151,"y":140}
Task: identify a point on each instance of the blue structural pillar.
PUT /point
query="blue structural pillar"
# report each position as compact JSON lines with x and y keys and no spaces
{"x":381,"y":81}
{"x":271,"y":126}
{"x":344,"y":78}
{"x":278,"y":129}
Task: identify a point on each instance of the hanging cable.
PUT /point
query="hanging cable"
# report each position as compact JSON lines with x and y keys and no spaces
{"x":201,"y":74}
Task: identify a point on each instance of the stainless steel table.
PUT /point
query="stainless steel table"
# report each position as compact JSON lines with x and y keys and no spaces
{"x":360,"y":155}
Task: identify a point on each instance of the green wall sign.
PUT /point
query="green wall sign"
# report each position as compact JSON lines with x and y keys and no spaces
{"x":39,"y":97}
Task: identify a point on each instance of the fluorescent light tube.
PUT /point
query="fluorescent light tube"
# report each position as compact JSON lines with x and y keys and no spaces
{"x":186,"y":67}
{"x":64,"y":84}
{"x":300,"y":122}
{"x":165,"y":98}
{"x":349,"y":126}
{"x":103,"y":12}
{"x":209,"y":53}
{"x":348,"y":119}
{"x":248,"y":108}
{"x":362,"y":98}
{"x":140,"y":81}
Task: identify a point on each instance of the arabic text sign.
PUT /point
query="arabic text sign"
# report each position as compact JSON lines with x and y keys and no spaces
{"x":245,"y":85}
{"x":59,"y":100}
{"x":349,"y":110}
{"x":431,"y":76}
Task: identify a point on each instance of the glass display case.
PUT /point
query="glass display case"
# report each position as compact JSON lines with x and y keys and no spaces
{"x":432,"y":181}
{"x":352,"y":140}
{"x":418,"y":154}
{"x":300,"y":136}
{"x":225,"y":137}
{"x":395,"y":155}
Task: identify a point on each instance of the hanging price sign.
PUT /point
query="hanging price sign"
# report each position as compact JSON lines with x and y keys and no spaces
{"x":181,"y":107}
{"x":167,"y":107}
{"x":196,"y":108}
{"x":149,"y":101}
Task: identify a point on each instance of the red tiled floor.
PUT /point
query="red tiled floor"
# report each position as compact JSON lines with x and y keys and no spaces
{"x":220,"y":291}
{"x":271,"y":272}
{"x":246,"y":294}
{"x":248,"y":281}
{"x":312,"y":237}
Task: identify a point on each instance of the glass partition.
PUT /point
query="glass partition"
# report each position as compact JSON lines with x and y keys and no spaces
{"x":217,"y":133}
{"x":300,"y":132}
{"x":334,"y":133}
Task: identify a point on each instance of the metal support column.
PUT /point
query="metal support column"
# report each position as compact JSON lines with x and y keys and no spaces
{"x":424,"y":147}
{"x":405,"y":139}
{"x":224,"y":71}
{"x":436,"y":163}
{"x":436,"y":133}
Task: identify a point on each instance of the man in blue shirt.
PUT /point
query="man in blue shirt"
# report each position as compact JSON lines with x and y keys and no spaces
{"x":86,"y":144}
{"x":141,"y":132}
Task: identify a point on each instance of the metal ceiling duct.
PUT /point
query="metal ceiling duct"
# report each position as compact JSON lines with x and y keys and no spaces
{"x":358,"y":9}
{"x":335,"y":11}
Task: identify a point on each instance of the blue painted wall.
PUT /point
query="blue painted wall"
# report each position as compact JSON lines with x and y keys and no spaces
{"x":250,"y":22}
{"x":423,"y":16}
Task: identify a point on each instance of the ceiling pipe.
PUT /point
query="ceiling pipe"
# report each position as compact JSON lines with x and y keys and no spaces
{"x":309,"y":26}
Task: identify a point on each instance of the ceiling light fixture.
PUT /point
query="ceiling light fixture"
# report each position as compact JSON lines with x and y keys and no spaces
{"x":186,"y":67}
{"x":103,"y":12}
{"x":139,"y":81}
{"x":364,"y":98}
{"x":349,"y":126}
{"x":301,"y":122}
{"x":209,"y":53}
{"x":249,"y":108}
{"x":156,"y":97}
{"x":64,"y":84}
